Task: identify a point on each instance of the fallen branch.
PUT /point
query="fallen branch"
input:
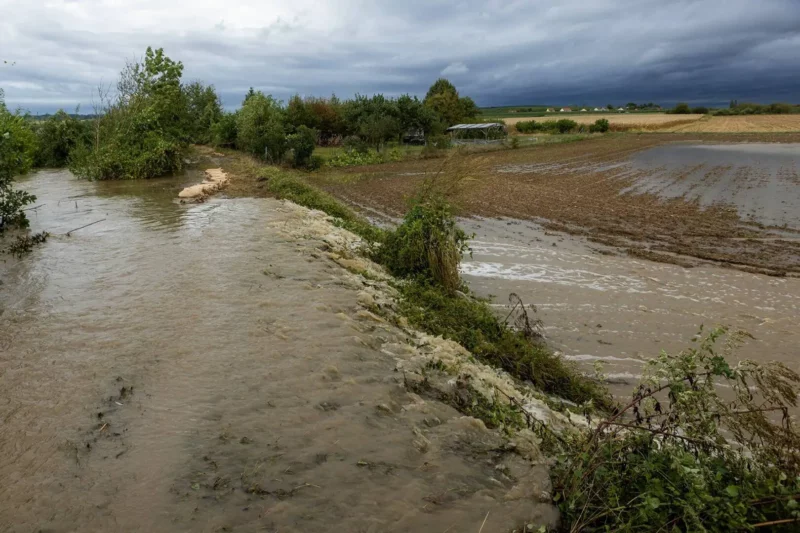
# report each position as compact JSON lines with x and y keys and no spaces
{"x":86,"y":226}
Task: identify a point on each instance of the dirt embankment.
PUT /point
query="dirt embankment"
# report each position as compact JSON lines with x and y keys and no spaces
{"x":587,"y":188}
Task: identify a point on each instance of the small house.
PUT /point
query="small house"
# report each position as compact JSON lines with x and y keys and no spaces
{"x":566,"y":110}
{"x":551,"y":110}
{"x":621,"y":110}
{"x":597,"y":109}
{"x":583,"y":110}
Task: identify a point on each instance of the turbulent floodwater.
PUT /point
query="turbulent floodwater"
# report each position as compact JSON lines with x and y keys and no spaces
{"x":621,"y":310}
{"x":191,"y":368}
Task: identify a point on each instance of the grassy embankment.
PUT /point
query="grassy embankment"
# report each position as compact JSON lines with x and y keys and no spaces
{"x":418,"y":252}
{"x":674,"y":457}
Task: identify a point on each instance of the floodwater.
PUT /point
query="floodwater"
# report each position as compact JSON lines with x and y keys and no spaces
{"x":599,"y":306}
{"x":760,"y":179}
{"x":192,"y":368}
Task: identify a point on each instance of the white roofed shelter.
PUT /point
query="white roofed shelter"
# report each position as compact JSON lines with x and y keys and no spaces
{"x":484,"y":131}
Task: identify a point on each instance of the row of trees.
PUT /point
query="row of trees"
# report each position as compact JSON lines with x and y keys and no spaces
{"x":265,"y":127}
{"x":145,"y":128}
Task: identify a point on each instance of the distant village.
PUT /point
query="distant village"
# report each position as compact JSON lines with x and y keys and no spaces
{"x":607,"y":109}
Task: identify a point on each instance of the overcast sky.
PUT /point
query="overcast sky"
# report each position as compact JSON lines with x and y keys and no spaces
{"x":587,"y":52}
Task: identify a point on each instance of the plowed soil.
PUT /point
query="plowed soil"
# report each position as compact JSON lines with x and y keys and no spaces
{"x":595,"y":188}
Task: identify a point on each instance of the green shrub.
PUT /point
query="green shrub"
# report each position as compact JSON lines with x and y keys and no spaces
{"x":259,"y":127}
{"x":566,"y":125}
{"x":17,"y":150}
{"x":440,"y":142}
{"x":681,"y":457}
{"x":204,"y":110}
{"x":600,"y":126}
{"x":428,"y":244}
{"x":354,"y":143}
{"x":57,"y":137}
{"x":224,"y":132}
{"x":681,"y":109}
{"x":547,"y":126}
{"x":353,"y":158}
{"x":143,"y":134}
{"x":700,"y":110}
{"x":472,"y":323}
{"x":302,"y":145}
{"x":315,"y":162}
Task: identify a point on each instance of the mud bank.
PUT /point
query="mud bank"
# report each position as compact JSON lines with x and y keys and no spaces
{"x":273,"y":395}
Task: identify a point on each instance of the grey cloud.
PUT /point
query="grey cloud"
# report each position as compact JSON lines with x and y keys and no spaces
{"x":497,"y":51}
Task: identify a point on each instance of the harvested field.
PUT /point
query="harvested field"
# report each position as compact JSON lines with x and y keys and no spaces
{"x":622,"y":121}
{"x":597,"y":188}
{"x":742,"y":123}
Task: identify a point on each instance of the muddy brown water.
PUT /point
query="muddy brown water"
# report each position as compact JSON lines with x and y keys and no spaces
{"x":600,"y":306}
{"x":190,"y":368}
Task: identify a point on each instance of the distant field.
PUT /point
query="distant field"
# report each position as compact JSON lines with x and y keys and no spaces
{"x":742,"y":124}
{"x":645,"y":121}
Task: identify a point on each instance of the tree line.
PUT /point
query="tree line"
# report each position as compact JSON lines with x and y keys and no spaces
{"x":143,"y":126}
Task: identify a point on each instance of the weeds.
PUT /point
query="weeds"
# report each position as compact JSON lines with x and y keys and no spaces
{"x":681,"y":455}
{"x":472,"y":323}
{"x":24,"y":243}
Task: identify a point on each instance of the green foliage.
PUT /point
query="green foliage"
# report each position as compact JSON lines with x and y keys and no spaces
{"x":302,"y":144}
{"x":143,"y":133}
{"x":428,"y":245}
{"x":224,"y":132}
{"x":748,"y":108}
{"x":472,"y":323}
{"x":17,"y":150}
{"x":547,"y":126}
{"x":700,"y":110}
{"x":259,"y":126}
{"x":681,"y":109}
{"x":204,"y":110}
{"x":684,"y":454}
{"x":600,"y":126}
{"x":57,"y":137}
{"x":377,"y":129}
{"x":353,"y":158}
{"x":443,"y":99}
{"x":24,"y":244}
{"x":284,"y":185}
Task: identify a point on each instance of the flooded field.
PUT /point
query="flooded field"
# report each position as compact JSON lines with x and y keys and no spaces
{"x":197,"y":368}
{"x":638,"y":193}
{"x":760,"y":180}
{"x":620,"y":310}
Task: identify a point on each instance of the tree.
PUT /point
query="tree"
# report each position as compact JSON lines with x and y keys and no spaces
{"x":610,"y":107}
{"x":377,"y":129}
{"x":57,"y":137}
{"x":17,"y":148}
{"x":682,"y":109}
{"x":260,"y":127}
{"x":204,"y":110}
{"x":298,"y":113}
{"x":443,"y":99}
{"x":144,"y":132}
{"x":441,"y":86}
{"x":302,"y":144}
{"x":631,"y":105}
{"x":413,"y":115}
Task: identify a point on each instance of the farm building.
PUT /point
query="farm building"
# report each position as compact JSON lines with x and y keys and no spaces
{"x":551,"y":110}
{"x":597,"y":109}
{"x":483,"y":132}
{"x":621,"y":110}
{"x":584,"y":110}
{"x":566,"y":110}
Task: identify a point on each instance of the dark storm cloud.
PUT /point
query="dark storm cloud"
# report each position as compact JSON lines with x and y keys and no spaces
{"x":499,"y":52}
